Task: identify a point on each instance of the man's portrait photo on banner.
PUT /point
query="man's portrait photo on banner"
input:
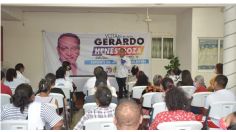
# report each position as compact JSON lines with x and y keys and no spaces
{"x":68,"y":48}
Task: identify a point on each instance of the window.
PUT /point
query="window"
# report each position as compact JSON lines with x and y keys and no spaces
{"x":210,"y":52}
{"x":162,"y":48}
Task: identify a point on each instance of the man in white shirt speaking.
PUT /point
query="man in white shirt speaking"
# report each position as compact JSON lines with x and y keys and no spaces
{"x":123,"y":65}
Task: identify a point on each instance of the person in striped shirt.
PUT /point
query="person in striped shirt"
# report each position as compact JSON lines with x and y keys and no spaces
{"x":23,"y":100}
{"x":103,"y":99}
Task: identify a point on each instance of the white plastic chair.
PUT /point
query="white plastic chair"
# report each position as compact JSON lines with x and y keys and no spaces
{"x":158,"y":97}
{"x":5,"y":99}
{"x":137,"y":91}
{"x":89,"y":106}
{"x":157,"y":108}
{"x":222,"y":109}
{"x":130,"y":86}
{"x":180,"y":125}
{"x":199,"y":99}
{"x":14,"y":125}
{"x":147,"y":97}
{"x":99,"y":124}
{"x":189,"y":90}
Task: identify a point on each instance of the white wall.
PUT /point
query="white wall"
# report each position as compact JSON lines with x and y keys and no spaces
{"x":184,"y":39}
{"x":23,"y":40}
{"x":206,"y":22}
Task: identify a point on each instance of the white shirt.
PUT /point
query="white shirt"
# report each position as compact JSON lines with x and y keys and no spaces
{"x":20,"y":76}
{"x":67,"y":76}
{"x":13,"y":84}
{"x":220,"y":95}
{"x":122,"y":71}
{"x":90,"y":84}
{"x":112,"y":89}
{"x":63,"y":83}
{"x":48,"y":100}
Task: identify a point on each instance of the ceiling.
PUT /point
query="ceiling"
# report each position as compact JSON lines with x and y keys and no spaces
{"x":165,"y":9}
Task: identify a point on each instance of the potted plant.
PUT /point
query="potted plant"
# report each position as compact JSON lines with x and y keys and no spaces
{"x":174,"y":64}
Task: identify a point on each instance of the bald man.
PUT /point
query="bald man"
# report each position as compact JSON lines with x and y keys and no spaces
{"x":128,"y":115}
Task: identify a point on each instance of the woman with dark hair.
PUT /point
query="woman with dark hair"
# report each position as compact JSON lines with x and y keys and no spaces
{"x":142,"y":79}
{"x":218,"y":71}
{"x":134,"y":71}
{"x":45,"y":86}
{"x":67,"y":66}
{"x":24,"y":108}
{"x":4,"y":89}
{"x":11,"y":80}
{"x":20,"y":68}
{"x":178,"y":108}
{"x":174,"y":74}
{"x":61,"y":82}
{"x":186,"y":79}
{"x":51,"y":78}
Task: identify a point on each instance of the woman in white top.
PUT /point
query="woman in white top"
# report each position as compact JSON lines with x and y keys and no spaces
{"x":11,"y":80}
{"x":45,"y":86}
{"x":19,"y":71}
{"x":61,"y":82}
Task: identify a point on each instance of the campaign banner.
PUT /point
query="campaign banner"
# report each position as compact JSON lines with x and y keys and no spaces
{"x":85,"y":51}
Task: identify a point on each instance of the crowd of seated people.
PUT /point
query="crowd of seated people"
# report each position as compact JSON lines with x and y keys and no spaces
{"x":128,"y":114}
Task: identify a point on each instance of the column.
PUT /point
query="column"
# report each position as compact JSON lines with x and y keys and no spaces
{"x":229,"y":55}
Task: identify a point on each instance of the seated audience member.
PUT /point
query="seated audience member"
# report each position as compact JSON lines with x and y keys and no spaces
{"x":128,"y":115}
{"x":142,"y":79}
{"x":61,"y":82}
{"x":43,"y":92}
{"x":102,"y":76}
{"x":134,"y":72}
{"x":67,"y":66}
{"x":151,"y":88}
{"x":178,"y":108}
{"x":166,"y":85}
{"x":220,"y":94}
{"x":156,"y":85}
{"x":200,"y":87}
{"x":200,"y":84}
{"x":52,"y":77}
{"x":24,"y":107}
{"x":103,"y":100}
{"x":228,"y":122}
{"x":99,"y":83}
{"x":88,"y":88}
{"x":20,"y":68}
{"x":4,"y":89}
{"x":186,"y":79}
{"x":218,"y":71}
{"x":11,"y":80}
{"x":174,"y":74}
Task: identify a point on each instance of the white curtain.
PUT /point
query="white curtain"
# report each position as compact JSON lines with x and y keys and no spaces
{"x":167,"y":48}
{"x":156,"y":47}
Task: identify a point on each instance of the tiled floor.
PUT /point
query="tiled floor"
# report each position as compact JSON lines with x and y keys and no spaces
{"x":76,"y":117}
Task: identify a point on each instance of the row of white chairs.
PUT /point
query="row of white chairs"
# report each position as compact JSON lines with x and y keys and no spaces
{"x":5,"y":99}
{"x":219,"y":110}
{"x":137,"y":90}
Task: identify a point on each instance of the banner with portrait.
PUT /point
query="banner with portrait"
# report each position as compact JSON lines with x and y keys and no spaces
{"x":86,"y":52}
